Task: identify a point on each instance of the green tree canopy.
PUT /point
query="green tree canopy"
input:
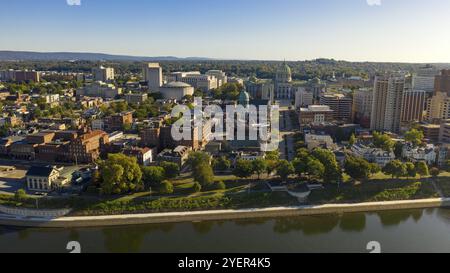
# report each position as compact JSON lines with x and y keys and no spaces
{"x":284,"y":169}
{"x":171,"y":169}
{"x":414,"y":136}
{"x":383,"y":141}
{"x":333,"y":171}
{"x":153,"y":176}
{"x":120,"y":174}
{"x":396,"y":169}
{"x":243,"y":168}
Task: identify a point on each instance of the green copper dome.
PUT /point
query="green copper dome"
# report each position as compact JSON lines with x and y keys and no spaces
{"x":244,"y":98}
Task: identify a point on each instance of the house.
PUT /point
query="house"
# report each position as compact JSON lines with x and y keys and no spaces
{"x":179,"y":155}
{"x":45,"y":179}
{"x":415,"y":154}
{"x":373,"y":155}
{"x":145,"y":156}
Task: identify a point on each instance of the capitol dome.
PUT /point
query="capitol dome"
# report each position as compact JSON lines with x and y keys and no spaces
{"x":284,"y":74}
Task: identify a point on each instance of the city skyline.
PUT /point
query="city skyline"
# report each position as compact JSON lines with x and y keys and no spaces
{"x":357,"y":30}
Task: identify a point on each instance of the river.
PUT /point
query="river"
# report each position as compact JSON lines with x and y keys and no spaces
{"x":396,"y":231}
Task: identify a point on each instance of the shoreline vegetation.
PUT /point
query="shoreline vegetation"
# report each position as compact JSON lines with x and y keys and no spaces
{"x":236,"y":197}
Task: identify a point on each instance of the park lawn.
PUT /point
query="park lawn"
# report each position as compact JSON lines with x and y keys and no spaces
{"x":443,"y":182}
{"x":374,"y":191}
{"x":211,"y":201}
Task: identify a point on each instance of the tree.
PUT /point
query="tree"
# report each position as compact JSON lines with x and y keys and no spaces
{"x":357,"y":168}
{"x":219,"y":185}
{"x":333,"y":171}
{"x":20,"y":195}
{"x":153,"y":176}
{"x":171,"y":170}
{"x":120,"y":174}
{"x":166,"y":188}
{"x":284,"y":169}
{"x":243,"y":168}
{"x":196,"y":159}
{"x":383,"y":141}
{"x":352,"y":140}
{"x":411,"y":169}
{"x":398,"y":150}
{"x":222,"y":164}
{"x":315,"y":168}
{"x":259,"y":166}
{"x":422,"y":169}
{"x":435,"y":172}
{"x":395,"y":168}
{"x":414,"y":136}
{"x":447,"y":166}
{"x":201,"y":168}
{"x":204,"y":175}
{"x":197,"y":187}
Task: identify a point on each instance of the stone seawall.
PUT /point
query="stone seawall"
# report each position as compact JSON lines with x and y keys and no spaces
{"x":173,"y":217}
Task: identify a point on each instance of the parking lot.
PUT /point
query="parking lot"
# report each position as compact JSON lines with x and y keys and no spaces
{"x":11,"y":181}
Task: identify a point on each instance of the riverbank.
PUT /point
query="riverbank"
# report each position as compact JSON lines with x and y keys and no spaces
{"x":215,"y":215}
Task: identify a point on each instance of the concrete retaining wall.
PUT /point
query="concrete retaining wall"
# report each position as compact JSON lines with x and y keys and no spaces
{"x":155,"y":218}
{"x":34,"y":212}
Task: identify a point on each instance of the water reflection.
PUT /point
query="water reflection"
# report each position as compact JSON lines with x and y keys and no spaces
{"x":129,"y":239}
{"x":311,"y":225}
{"x":353,"y":222}
{"x":395,"y":218}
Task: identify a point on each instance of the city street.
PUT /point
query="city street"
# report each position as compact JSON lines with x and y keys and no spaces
{"x":287,"y":130}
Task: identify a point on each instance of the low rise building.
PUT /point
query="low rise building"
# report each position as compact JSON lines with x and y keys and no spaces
{"x":179,"y":155}
{"x":136,"y":98}
{"x":100,"y":89}
{"x":118,"y":122}
{"x":416,"y":154}
{"x":373,"y":155}
{"x":315,"y":114}
{"x":313,"y":141}
{"x":145,"y":156}
{"x":45,"y":179}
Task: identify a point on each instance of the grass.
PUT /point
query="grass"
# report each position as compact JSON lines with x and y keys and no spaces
{"x":374,"y":191}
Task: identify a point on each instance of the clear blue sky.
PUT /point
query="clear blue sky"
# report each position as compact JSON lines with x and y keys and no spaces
{"x":396,"y":30}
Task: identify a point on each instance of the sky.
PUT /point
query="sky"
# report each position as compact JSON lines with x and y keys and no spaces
{"x":353,"y":30}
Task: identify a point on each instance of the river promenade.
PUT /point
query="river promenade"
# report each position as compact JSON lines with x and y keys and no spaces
{"x":214,"y":215}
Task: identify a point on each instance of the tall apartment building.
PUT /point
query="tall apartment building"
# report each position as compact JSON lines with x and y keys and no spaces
{"x":152,"y":74}
{"x":339,"y":103}
{"x":444,"y":136}
{"x":414,"y":105}
{"x":103,"y":74}
{"x":442,"y":82}
{"x":362,"y":106}
{"x":424,"y":79}
{"x":387,"y":103}
{"x":438,"y":107}
{"x":19,"y":76}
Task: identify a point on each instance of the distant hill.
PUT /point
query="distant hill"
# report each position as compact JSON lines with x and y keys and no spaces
{"x":69,"y":56}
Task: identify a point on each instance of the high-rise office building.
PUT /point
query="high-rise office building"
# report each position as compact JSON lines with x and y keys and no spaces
{"x":442,"y":82}
{"x":424,"y":79}
{"x":414,"y":105}
{"x":387,"y":103}
{"x":152,"y":73}
{"x":103,"y":74}
{"x":340,"y":104}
